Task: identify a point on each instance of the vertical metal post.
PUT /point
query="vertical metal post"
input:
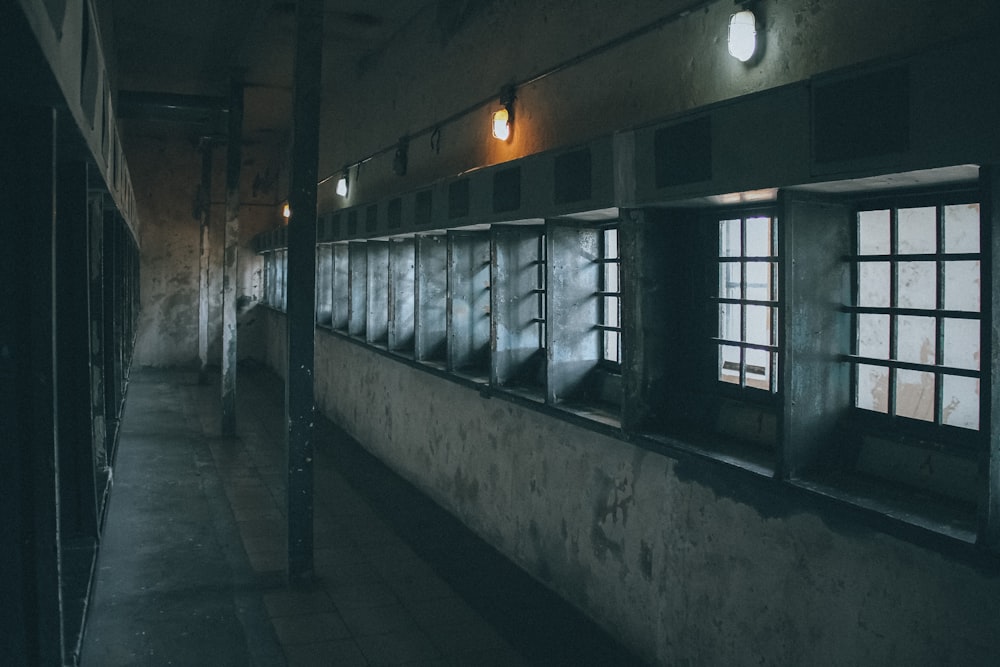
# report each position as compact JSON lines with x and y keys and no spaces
{"x":31,"y":613}
{"x":76,"y":447}
{"x":230,"y":262}
{"x":205,"y":204}
{"x":97,"y":336}
{"x":301,"y":286}
{"x":989,"y":531}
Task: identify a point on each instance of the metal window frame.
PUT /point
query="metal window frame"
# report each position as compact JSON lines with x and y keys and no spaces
{"x":774,"y":260}
{"x":893,"y":311}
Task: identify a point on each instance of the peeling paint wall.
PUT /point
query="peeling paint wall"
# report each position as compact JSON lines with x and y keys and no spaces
{"x":687,"y":562}
{"x":168,"y":167}
{"x":469,"y":51}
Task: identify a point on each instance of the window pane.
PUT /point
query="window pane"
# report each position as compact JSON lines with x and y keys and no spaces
{"x":873,"y":232}
{"x":961,"y":343}
{"x":611,"y":277}
{"x":729,"y":321}
{"x":917,"y":228}
{"x":758,"y":237}
{"x":960,"y":401}
{"x":915,"y":339}
{"x":729,"y":363}
{"x":612,"y":346}
{"x":758,"y":371}
{"x":873,"y":336}
{"x":611,"y":311}
{"x":873,"y":388}
{"x":915,"y":394}
{"x":961,"y":286}
{"x":873,"y":284}
{"x":730,"y":277}
{"x":759,"y":325}
{"x":961,"y":228}
{"x":729,"y":238}
{"x":916,"y":285}
{"x":759,"y":276}
{"x":611,"y":243}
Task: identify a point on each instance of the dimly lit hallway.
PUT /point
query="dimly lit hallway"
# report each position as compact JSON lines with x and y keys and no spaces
{"x":191,"y":570}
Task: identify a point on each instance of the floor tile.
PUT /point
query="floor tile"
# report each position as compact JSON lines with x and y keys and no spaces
{"x":309,"y":628}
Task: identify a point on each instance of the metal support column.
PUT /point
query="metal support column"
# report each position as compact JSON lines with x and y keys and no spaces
{"x":205,"y":206}
{"x":76,"y":447}
{"x":989,"y":530}
{"x":301,"y":286}
{"x":31,"y":613}
{"x":230,"y":262}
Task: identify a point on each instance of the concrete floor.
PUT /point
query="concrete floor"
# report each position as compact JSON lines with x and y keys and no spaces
{"x":191,"y":567}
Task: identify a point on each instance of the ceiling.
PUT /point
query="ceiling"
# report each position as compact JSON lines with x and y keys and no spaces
{"x":192,"y":48}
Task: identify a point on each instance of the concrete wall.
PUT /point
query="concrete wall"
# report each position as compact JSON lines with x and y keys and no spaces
{"x":469,"y":50}
{"x":168,"y":167}
{"x":688,"y":562}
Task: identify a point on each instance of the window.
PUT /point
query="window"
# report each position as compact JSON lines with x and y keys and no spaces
{"x":916,"y":312}
{"x":748,"y":301}
{"x":610,"y":297}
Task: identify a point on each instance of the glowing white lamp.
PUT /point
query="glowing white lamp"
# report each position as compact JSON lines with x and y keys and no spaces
{"x":342,"y":186}
{"x":501,"y":124}
{"x":742,"y":35}
{"x":286,"y":211}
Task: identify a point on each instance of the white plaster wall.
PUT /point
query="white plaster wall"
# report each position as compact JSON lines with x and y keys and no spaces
{"x":684,"y":561}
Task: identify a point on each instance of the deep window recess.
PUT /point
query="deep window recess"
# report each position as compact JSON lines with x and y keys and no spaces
{"x":324,"y":284}
{"x":401,"y":294}
{"x":357,"y":301}
{"x":469,"y":302}
{"x":339,"y":311}
{"x":431,"y":295}
{"x":377,"y":328}
{"x":916,"y":310}
{"x":280,"y":275}
{"x":610,"y":297}
{"x":518,"y":306}
{"x":748,"y":301}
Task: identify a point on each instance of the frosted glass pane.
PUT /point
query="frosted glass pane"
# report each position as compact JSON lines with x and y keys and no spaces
{"x":730,"y":277}
{"x":873,"y":232}
{"x":960,"y":401}
{"x":873,"y":388}
{"x":759,"y":276}
{"x":610,"y":243}
{"x":961,"y":228}
{"x":961,"y":286}
{"x":729,"y":321}
{"x":758,"y":369}
{"x":915,"y":339}
{"x":873,"y":284}
{"x":915,"y":394}
{"x":729,"y":363}
{"x":961,"y":343}
{"x":758,"y":237}
{"x":917,"y":229}
{"x":759,"y":325}
{"x":916,"y":285}
{"x":729,"y":238}
{"x":873,"y":336}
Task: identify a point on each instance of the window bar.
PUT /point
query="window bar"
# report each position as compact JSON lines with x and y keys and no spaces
{"x":540,"y":291}
{"x":939,"y":356}
{"x":743,"y":298}
{"x":893,"y":303}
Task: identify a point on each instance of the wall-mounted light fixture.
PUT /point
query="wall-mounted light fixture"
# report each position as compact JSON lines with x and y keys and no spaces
{"x":742,"y":35}
{"x":342,"y":185}
{"x":286,"y":211}
{"x":503,"y":118}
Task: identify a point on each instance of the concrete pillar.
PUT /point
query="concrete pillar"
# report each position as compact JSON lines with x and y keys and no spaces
{"x":301,"y":286}
{"x":230,"y":262}
{"x":205,"y":203}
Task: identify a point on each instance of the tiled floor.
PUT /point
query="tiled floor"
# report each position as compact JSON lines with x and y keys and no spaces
{"x":192,"y":567}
